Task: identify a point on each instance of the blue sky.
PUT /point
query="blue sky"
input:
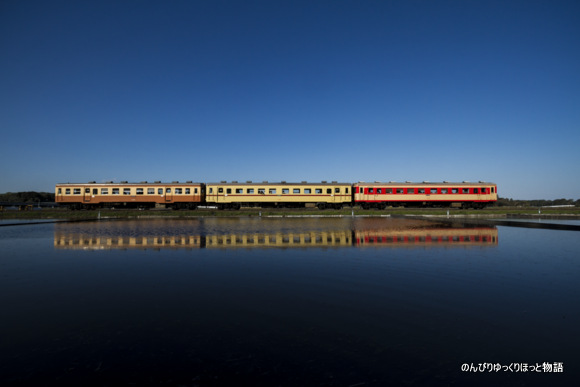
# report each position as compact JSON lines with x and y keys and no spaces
{"x":292,"y":90}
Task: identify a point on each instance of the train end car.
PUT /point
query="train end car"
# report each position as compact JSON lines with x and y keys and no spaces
{"x":465,"y":195}
{"x":235,"y":195}
{"x":130,"y":195}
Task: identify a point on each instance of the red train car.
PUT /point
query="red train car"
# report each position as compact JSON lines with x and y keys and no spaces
{"x":466,"y":195}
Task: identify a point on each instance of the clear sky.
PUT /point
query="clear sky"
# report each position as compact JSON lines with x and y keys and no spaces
{"x":291,"y":90}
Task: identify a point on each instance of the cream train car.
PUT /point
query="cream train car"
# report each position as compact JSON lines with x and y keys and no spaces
{"x":235,"y":195}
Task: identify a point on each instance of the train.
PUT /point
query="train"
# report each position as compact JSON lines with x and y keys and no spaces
{"x":235,"y":195}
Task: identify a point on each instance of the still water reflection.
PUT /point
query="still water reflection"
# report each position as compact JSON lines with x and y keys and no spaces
{"x":267,"y":233}
{"x":285,"y":302}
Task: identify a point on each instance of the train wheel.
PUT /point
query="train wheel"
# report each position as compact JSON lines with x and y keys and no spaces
{"x":321,"y":206}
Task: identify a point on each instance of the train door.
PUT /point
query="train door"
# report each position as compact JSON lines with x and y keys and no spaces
{"x":361,"y":195}
{"x":87,"y":195}
{"x":168,"y":194}
{"x":373,"y":194}
{"x":478,"y":191}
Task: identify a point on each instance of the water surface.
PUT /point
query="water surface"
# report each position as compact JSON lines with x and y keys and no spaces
{"x":289,"y":302}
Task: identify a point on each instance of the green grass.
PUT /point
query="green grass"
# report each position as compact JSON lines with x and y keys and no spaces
{"x":105,"y":213}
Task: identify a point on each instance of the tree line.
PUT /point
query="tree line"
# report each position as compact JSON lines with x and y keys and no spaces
{"x":27,"y":197}
{"x":506,"y":202}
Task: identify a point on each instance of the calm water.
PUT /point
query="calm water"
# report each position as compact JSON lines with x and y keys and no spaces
{"x":286,"y":302}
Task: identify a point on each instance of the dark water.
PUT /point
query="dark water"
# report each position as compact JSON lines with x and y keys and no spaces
{"x":287,"y":302}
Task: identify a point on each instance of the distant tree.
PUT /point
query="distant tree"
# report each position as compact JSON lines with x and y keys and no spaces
{"x":508,"y":202}
{"x":27,"y":197}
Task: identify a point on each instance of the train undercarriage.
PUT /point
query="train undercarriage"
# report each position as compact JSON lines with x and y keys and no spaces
{"x":384,"y":205}
{"x":237,"y":205}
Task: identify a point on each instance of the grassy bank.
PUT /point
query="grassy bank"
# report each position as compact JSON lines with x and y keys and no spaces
{"x":104,"y":213}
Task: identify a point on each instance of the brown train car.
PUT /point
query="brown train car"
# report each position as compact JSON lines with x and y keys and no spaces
{"x":134,"y":195}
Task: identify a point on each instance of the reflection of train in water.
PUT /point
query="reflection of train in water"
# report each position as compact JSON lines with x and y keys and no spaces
{"x":234,"y":195}
{"x":427,"y":237}
{"x":71,"y":237}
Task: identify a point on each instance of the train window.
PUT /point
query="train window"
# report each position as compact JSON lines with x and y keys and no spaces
{"x":475,"y":190}
{"x":195,"y":191}
{"x":379,"y":191}
{"x":318,"y":190}
{"x":492,"y":190}
{"x":178,"y":191}
{"x":150,"y":191}
{"x":272,"y":191}
{"x":444,"y":190}
{"x":454,"y":190}
{"x":329,"y":191}
{"x":159,"y":191}
{"x":261,"y":191}
{"x":337,"y":190}
{"x":139,"y":191}
{"x":67,"y":191}
{"x":410,"y":191}
{"x":168,"y":190}
{"x":400,"y":191}
{"x":285,"y":191}
{"x":346,"y":190}
{"x":115,"y":191}
{"x":307,"y":190}
{"x":389,"y":190}
{"x":229,"y":191}
{"x":87,"y":190}
{"x":95,"y":191}
{"x":296,"y":190}
{"x":371,"y":190}
{"x":465,"y":190}
{"x":220,"y":190}
{"x":250,"y":191}
{"x":239,"y":190}
{"x":126,"y":191}
{"x":433,"y":190}
{"x":421,"y":190}
{"x":77,"y":191}
{"x":188,"y":191}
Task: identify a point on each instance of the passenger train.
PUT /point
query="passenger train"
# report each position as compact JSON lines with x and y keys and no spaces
{"x":234,"y":195}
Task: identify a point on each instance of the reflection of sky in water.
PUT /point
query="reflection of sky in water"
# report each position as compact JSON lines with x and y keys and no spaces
{"x":544,"y":220}
{"x":337,"y":316}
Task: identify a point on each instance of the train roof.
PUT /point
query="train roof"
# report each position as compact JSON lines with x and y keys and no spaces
{"x":409,"y":183}
{"x":232,"y":183}
{"x":134,"y":183}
